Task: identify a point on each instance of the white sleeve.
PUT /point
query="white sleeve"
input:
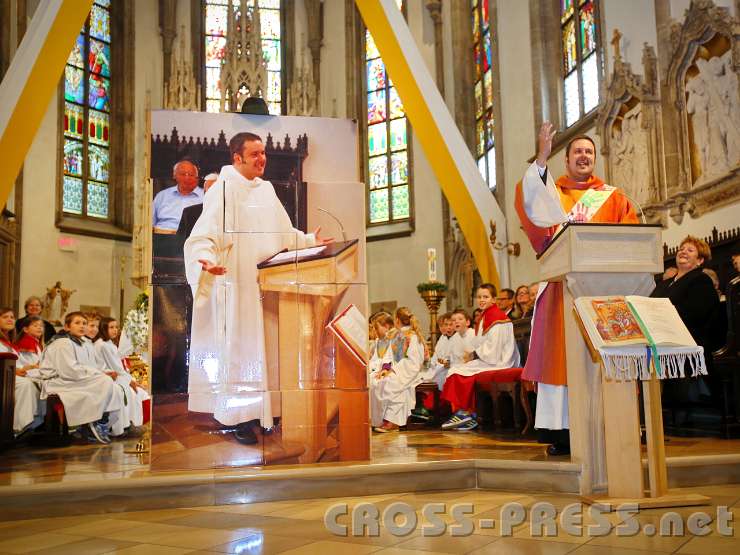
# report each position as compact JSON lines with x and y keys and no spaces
{"x":409,"y":368}
{"x":208,"y":242}
{"x":498,"y":347}
{"x":108,"y":354}
{"x":61,"y":357}
{"x":541,"y":200}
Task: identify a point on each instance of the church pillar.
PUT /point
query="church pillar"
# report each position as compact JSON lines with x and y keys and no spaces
{"x":168,"y":30}
{"x":315,"y":21}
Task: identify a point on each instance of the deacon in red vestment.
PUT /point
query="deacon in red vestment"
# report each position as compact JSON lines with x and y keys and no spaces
{"x":543,"y":206}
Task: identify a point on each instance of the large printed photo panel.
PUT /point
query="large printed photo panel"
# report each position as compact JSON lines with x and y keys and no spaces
{"x":255,"y":356}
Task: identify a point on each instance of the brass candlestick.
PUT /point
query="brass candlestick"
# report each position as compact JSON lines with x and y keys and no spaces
{"x":433,"y":298}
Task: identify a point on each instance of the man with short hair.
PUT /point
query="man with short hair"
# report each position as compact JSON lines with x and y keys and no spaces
{"x":505,"y":301}
{"x":242,"y":224}
{"x":169,"y":203}
{"x":543,"y":206}
{"x":191,"y":213}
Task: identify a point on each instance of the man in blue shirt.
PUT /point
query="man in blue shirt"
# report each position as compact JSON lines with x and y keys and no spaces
{"x":169,"y":203}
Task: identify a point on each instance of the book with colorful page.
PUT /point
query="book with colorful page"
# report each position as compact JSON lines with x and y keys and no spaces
{"x":350,"y":327}
{"x":639,"y":336}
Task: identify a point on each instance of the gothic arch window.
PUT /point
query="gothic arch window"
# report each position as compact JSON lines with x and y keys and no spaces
{"x":215,"y":14}
{"x":580,"y":58}
{"x":485,"y":151}
{"x":387,"y":149}
{"x":86,"y":160}
{"x":95,"y":179}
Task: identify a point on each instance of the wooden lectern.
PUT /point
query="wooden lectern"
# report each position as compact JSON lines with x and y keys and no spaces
{"x":609,"y":259}
{"x":300,"y":298}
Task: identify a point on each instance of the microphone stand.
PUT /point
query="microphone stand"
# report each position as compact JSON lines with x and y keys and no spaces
{"x":332,"y":216}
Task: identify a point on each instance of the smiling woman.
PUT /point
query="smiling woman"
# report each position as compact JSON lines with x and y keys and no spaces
{"x":692,"y":293}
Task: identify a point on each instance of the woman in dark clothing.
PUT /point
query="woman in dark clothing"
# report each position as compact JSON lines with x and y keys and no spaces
{"x":692,"y":293}
{"x":33,"y":307}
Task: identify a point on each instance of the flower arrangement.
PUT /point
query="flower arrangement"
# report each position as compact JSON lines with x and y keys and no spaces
{"x":136,"y":324}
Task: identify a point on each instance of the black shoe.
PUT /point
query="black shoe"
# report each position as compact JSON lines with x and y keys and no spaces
{"x":557,"y":449}
{"x":245,"y":435}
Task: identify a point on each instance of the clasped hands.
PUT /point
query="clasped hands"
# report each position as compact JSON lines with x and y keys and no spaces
{"x":217,"y":270}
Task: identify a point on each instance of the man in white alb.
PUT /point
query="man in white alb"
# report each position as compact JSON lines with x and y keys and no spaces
{"x":242,"y":224}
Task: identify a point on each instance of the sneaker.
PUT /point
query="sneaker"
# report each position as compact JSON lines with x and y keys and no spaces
{"x":421,"y":414}
{"x":97,"y":431}
{"x":457,"y":419}
{"x":468,"y":426}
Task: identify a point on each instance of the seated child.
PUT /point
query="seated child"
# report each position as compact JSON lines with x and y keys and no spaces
{"x":88,"y":341}
{"x":29,"y":411}
{"x":86,"y":392}
{"x":463,"y":340}
{"x":436,"y":372}
{"x":440,"y":360}
{"x":495,"y":349}
{"x":106,"y":350}
{"x":380,"y":354}
{"x":392,"y":388}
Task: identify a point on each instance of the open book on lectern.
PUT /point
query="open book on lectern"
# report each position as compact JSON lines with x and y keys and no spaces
{"x":639,"y":336}
{"x":350,"y":327}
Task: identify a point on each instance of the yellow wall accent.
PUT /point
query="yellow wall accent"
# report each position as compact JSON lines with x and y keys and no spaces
{"x":45,"y":47}
{"x":427,"y":129}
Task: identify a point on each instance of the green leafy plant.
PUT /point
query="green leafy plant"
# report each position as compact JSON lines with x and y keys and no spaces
{"x":437,"y":286}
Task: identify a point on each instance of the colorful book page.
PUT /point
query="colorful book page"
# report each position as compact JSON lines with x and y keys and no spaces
{"x":615,"y":322}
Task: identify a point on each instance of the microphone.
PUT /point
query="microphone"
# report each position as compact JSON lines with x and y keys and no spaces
{"x":332,"y":216}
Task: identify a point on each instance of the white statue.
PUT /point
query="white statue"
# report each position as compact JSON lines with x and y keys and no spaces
{"x":714,"y":107}
{"x":630,"y":156}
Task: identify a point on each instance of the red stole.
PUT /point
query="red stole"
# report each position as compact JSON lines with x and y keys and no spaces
{"x":28,"y":344}
{"x":491,"y":316}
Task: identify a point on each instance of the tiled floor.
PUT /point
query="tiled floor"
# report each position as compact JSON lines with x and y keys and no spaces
{"x":27,"y":465}
{"x":298,"y":527}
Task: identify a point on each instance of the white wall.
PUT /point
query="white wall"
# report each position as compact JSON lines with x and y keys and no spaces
{"x":635,"y":19}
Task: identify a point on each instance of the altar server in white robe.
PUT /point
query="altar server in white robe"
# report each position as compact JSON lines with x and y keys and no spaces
{"x":28,"y":411}
{"x":107,"y":352}
{"x":380,"y":351}
{"x":393,"y":388}
{"x":87,"y":393}
{"x":242,"y":224}
{"x":463,"y":341}
{"x":88,"y":340}
{"x":440,"y":361}
{"x":495,"y":349}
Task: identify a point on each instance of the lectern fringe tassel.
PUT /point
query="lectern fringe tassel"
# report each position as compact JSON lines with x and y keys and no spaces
{"x":674,"y":363}
{"x":634,"y":365}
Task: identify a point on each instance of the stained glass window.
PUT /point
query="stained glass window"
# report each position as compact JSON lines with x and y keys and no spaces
{"x":215,"y":15}
{"x":579,"y":34}
{"x":483,"y":90}
{"x":387,"y":142}
{"x":86,"y":158}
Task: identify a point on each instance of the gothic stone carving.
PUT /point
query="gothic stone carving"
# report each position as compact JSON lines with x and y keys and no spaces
{"x":631,"y":134}
{"x":702,"y":81}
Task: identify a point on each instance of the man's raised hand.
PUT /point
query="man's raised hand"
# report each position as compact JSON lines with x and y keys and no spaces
{"x":212,"y":268}
{"x":544,"y":143}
